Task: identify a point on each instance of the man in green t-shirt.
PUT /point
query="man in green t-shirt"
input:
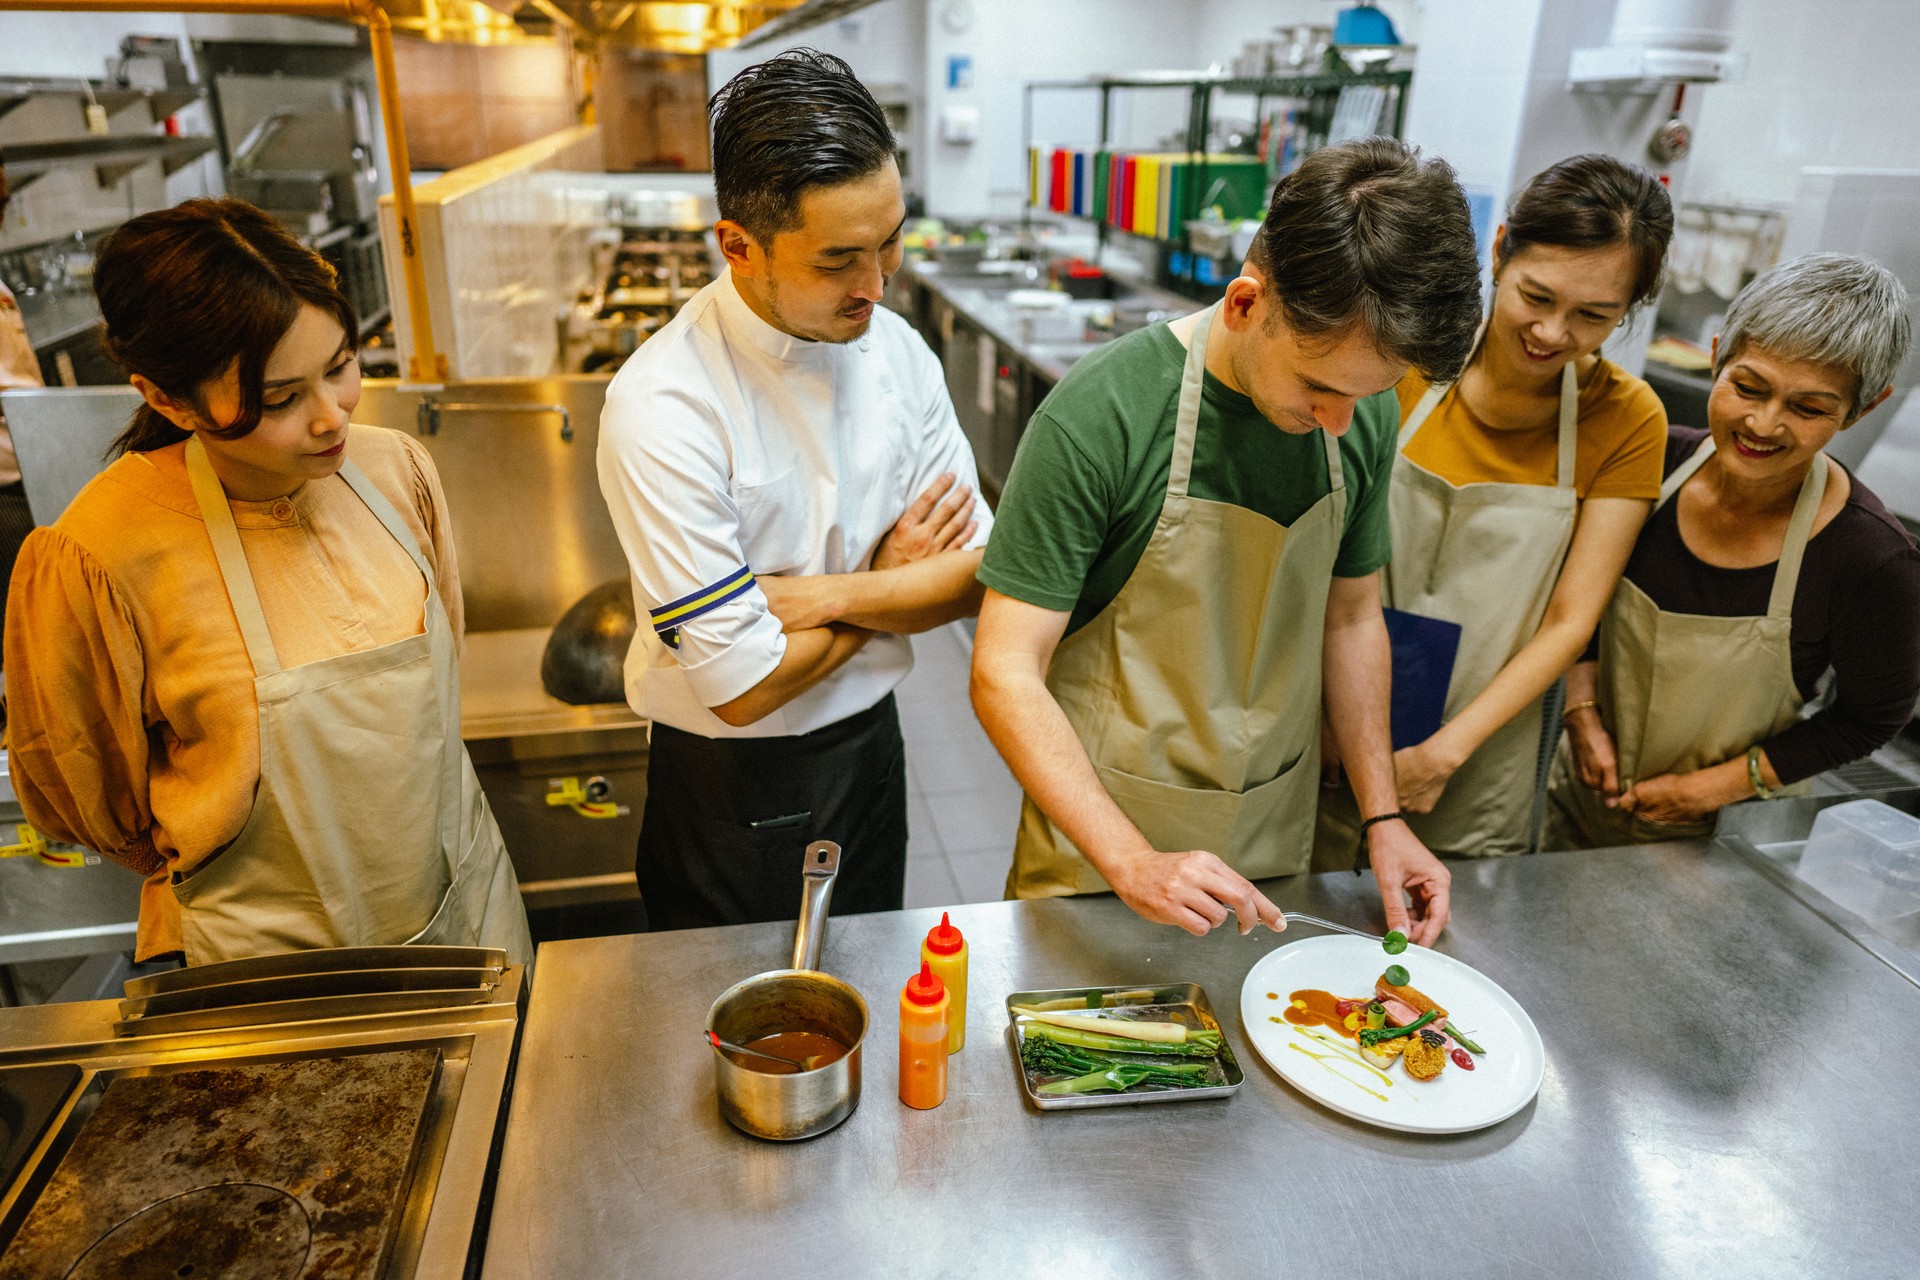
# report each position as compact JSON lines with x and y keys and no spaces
{"x":1183,"y":570}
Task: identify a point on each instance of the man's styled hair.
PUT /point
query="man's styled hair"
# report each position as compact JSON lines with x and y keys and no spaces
{"x":796,"y":121}
{"x":1368,"y":235}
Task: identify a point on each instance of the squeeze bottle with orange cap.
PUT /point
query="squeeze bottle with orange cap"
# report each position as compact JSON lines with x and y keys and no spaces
{"x":923,"y":1040}
{"x":946,"y":950}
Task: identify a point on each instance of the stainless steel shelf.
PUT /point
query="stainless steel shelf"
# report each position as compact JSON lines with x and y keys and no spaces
{"x":114,"y":155}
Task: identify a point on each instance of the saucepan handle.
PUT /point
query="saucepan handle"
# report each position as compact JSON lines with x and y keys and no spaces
{"x":822,"y":865}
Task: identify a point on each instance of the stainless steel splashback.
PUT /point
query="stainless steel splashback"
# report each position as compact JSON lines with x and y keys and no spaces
{"x":532,"y":533}
{"x":530,"y":527}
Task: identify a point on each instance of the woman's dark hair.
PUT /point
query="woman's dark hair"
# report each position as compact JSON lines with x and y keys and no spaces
{"x":190,"y":291}
{"x":1369,"y":235}
{"x":795,"y":121}
{"x":1593,"y":202}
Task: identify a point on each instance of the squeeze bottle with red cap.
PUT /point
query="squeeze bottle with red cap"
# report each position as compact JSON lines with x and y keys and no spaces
{"x":946,"y":951}
{"x":923,"y":1040}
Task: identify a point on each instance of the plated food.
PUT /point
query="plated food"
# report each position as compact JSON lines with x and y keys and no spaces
{"x":1102,"y":1046}
{"x":1298,"y":1000}
{"x":1398,"y":1023}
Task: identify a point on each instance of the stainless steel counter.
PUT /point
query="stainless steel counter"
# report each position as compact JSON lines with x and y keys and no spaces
{"x":989,"y":309}
{"x":1714,"y":1104}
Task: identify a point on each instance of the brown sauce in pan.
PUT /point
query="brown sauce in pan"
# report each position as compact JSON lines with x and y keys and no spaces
{"x":796,"y":1045}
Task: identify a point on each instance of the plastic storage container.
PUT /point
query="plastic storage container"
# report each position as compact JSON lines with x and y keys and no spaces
{"x":1865,"y":855}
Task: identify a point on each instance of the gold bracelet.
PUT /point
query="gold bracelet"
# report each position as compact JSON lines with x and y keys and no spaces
{"x":1578,"y":706}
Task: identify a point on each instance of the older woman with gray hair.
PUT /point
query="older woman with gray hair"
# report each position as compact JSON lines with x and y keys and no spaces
{"x":1765,"y":566}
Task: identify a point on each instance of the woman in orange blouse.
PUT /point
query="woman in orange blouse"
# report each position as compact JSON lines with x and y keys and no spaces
{"x":1517,"y":495}
{"x":231,"y":661}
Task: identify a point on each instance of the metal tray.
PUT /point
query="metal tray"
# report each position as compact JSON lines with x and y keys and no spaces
{"x":1184,"y":1003}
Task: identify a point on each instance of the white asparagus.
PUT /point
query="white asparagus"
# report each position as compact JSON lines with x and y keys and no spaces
{"x":1156,"y":1032}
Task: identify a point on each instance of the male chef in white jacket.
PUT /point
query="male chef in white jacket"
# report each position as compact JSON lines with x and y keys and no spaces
{"x":794,"y":495}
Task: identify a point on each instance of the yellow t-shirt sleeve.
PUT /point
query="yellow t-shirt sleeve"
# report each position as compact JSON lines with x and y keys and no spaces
{"x":1636,"y":428}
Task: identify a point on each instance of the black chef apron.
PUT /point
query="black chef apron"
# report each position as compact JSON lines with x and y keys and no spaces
{"x":727,"y":821}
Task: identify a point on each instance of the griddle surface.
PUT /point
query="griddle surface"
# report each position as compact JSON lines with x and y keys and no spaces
{"x":293,"y":1170}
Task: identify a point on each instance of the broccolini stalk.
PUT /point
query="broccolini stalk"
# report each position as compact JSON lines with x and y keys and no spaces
{"x":1054,"y":1058}
{"x":1370,"y":1036}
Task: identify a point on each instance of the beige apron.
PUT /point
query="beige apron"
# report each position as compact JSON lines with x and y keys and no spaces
{"x":1486,"y":556}
{"x":1681,"y":692}
{"x":368,"y":826}
{"x":1196,"y":692}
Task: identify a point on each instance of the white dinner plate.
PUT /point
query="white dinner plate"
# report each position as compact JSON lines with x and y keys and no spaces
{"x":1503,"y":1080}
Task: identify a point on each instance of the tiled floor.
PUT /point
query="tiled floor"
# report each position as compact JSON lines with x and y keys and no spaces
{"x":962,"y":804}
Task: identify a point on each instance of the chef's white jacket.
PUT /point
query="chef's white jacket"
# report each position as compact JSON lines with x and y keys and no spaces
{"x":729,"y":449}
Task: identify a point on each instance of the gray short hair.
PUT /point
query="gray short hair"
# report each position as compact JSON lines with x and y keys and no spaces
{"x":1830,"y":308}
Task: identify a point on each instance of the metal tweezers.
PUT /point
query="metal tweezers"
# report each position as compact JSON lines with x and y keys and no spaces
{"x":1301,"y":917}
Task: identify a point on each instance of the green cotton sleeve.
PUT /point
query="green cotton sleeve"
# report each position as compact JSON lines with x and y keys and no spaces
{"x":1367,"y":452}
{"x":1052,"y":520}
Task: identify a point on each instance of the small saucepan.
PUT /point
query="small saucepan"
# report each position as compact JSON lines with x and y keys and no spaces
{"x":786,"y":1106}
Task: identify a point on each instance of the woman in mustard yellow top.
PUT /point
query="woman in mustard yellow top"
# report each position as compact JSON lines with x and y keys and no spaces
{"x":230,"y":662}
{"x":1517,"y":495}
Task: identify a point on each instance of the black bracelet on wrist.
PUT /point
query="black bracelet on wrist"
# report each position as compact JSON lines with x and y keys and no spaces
{"x":1360,"y":849}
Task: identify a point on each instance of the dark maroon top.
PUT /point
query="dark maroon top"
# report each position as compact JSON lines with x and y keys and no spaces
{"x":1856,"y":612}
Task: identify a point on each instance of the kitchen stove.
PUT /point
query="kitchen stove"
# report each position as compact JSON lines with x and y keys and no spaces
{"x":654,"y":271}
{"x":311,"y":1121}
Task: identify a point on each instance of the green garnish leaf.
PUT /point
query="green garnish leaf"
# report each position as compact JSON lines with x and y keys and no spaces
{"x":1396,"y":976}
{"x":1394,"y":942}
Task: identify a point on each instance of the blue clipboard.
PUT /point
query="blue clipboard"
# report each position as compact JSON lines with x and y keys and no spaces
{"x":1424,"y":650}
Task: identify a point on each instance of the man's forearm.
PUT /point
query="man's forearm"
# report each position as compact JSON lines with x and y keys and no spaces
{"x":1357,"y":675}
{"x":914,"y":597}
{"x":905,"y":599}
{"x":1033,"y":735}
{"x":812,"y":655}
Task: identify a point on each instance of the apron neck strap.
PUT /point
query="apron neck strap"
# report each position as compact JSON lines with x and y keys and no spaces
{"x":212,"y":500}
{"x":1684,"y":472}
{"x":1569,"y":425}
{"x":1422,"y":409}
{"x":385,"y":512}
{"x":1786,"y":572}
{"x":1786,"y":575}
{"x":1186,"y":426}
{"x":1186,"y":423}
{"x":1568,"y":420}
{"x":232,"y":558}
{"x":1336,"y":472}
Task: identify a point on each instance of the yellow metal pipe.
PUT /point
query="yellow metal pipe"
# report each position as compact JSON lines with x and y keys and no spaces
{"x":427,"y":365}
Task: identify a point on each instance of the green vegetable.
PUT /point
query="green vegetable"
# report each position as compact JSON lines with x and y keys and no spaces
{"x":1395,"y":943}
{"x":1463,"y":1042}
{"x":1396,"y":976}
{"x":1158,"y":1032}
{"x":1376,"y":1014}
{"x":1371,"y":1036}
{"x":1119,"y":1079}
{"x":1091,"y":1071}
{"x":1202,"y":1044}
